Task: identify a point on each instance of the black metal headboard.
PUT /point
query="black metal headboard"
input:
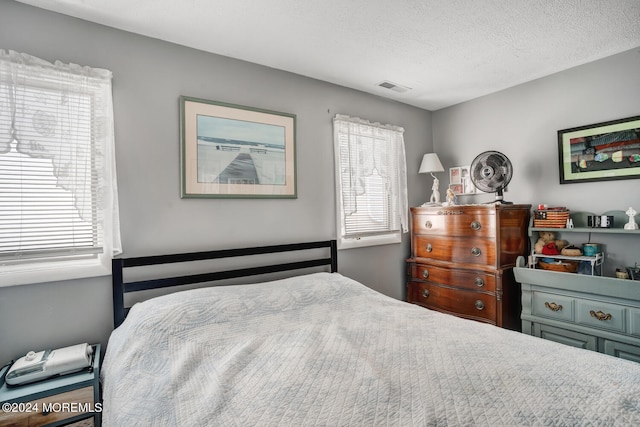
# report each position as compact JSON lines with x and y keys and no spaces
{"x":120,"y":286}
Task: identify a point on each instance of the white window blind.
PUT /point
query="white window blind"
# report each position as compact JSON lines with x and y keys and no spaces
{"x":58,"y":192}
{"x":371,"y":182}
{"x":38,"y":218}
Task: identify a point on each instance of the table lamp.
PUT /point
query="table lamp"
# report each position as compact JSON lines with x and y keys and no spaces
{"x":430,"y":164}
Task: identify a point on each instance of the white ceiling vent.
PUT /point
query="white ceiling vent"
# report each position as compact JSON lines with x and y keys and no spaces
{"x":393,"y":86}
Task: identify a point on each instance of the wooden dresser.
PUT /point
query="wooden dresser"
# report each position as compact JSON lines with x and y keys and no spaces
{"x":462,"y":260}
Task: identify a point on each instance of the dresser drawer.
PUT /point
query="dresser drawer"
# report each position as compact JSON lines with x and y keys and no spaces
{"x":466,"y":279}
{"x":565,"y":336}
{"x":464,"y":251}
{"x":464,"y":303}
{"x":634,"y":322}
{"x":553,"y":306}
{"x":621,"y":350}
{"x":455,"y":222}
{"x":600,"y":315}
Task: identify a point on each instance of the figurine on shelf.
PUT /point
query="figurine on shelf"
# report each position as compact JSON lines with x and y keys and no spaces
{"x":631,"y":225}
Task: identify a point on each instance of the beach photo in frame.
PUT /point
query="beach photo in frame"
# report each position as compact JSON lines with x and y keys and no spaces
{"x":600,"y":152}
{"x":233,"y":151}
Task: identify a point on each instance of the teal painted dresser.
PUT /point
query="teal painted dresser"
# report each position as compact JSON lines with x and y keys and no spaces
{"x":597,"y":313}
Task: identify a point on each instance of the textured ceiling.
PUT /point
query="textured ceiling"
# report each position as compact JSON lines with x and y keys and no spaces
{"x":445,"y":51}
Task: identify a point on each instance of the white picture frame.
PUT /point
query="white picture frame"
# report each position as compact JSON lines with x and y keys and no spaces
{"x":460,"y":181}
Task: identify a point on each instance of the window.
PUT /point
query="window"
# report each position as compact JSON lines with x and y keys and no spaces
{"x":58,"y":192}
{"x":371,"y":182}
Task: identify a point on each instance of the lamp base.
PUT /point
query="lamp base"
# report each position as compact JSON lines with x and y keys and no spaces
{"x":434,"y":200}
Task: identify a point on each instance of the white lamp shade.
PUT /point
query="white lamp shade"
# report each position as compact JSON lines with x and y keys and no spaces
{"x":430,"y":163}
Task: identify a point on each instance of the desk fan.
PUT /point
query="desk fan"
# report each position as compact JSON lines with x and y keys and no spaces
{"x":491,"y":172}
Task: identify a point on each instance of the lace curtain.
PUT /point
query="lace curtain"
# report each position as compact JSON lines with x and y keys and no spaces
{"x":64,"y":112}
{"x":373,"y":149}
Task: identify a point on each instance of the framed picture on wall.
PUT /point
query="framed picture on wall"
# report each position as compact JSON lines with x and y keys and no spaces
{"x":235,"y":151}
{"x":600,"y":152}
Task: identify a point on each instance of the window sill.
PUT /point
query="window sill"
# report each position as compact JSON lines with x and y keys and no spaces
{"x":387,"y":239}
{"x":14,"y":275}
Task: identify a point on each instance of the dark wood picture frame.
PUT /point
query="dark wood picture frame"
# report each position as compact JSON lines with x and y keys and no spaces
{"x":600,"y":152}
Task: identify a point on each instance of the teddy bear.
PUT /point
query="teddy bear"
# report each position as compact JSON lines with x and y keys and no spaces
{"x":544,"y":237}
{"x":548,"y":239}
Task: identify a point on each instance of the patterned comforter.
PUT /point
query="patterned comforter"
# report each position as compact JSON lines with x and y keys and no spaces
{"x":324,"y":350}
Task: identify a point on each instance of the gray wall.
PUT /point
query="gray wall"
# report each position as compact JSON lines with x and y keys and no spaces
{"x":522,"y":122}
{"x":149,"y":76}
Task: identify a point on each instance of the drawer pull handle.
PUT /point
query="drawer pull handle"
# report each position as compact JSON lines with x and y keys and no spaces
{"x":475,"y":225}
{"x":425,"y":293}
{"x":479,"y":282}
{"x":425,"y":273}
{"x":429,"y":247}
{"x":553,"y":306}
{"x":476,"y":251}
{"x":428,"y":224}
{"x":479,"y":305}
{"x":600,"y":315}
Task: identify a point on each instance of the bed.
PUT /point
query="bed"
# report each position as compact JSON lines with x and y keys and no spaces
{"x":321,"y":349}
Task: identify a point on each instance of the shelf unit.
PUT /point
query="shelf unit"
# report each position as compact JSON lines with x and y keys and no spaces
{"x":580,"y":226}
{"x":592,"y":312}
{"x":595,"y":260}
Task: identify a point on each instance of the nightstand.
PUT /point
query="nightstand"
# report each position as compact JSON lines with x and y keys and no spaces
{"x":69,"y":400}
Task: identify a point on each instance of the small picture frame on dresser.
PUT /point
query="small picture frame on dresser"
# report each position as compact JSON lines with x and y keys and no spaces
{"x":460,"y":181}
